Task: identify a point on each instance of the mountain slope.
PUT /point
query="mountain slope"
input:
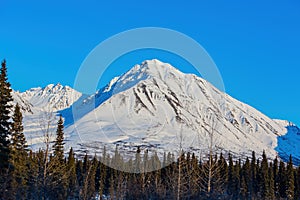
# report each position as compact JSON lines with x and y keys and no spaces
{"x":25,"y":105}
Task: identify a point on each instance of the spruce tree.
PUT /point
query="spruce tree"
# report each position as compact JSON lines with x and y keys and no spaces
{"x":33,"y":182}
{"x":18,"y":159}
{"x":223,"y":170}
{"x":57,"y":177}
{"x":5,"y":124}
{"x":271,"y":183}
{"x":246,"y":178}
{"x":98,"y":176}
{"x":237,"y":179}
{"x":112,"y":193}
{"x":275,"y":177}
{"x":79,"y":176}
{"x":59,"y":142}
{"x":254,"y":172}
{"x":282,"y":179}
{"x":230,"y":186}
{"x":290,"y":180}
{"x":264,"y":177}
{"x":86,"y":163}
{"x":103,"y":173}
{"x":71,"y":168}
{"x":18,"y":138}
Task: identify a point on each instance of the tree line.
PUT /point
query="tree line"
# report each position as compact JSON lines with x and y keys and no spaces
{"x":51,"y":173}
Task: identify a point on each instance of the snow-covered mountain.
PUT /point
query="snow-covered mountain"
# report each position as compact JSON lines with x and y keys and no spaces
{"x":159,"y":108}
{"x":52,"y":97}
{"x":40,"y":106}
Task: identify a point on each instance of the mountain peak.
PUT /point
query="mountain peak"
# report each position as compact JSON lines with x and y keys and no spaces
{"x":146,"y":70}
{"x":153,"y":62}
{"x":154,"y":68}
{"x":158,"y":68}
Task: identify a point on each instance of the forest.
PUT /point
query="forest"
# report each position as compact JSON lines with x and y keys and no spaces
{"x":57,"y":173}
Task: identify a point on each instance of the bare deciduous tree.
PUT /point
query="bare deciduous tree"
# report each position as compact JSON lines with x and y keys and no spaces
{"x":210,"y":170}
{"x":54,"y":172}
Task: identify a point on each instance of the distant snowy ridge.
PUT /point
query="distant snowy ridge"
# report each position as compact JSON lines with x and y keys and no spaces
{"x":40,"y":105}
{"x":55,"y":97}
{"x":152,"y":106}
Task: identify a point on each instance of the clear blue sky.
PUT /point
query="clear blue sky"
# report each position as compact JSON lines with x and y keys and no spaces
{"x":255,"y":44}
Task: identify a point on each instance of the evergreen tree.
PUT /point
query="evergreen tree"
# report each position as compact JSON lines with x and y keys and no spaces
{"x":79,"y":176}
{"x":223,"y":170}
{"x":237,"y":179}
{"x":98,"y":177}
{"x":5,"y":125}
{"x":254,"y":184}
{"x":89,"y":167}
{"x":230,"y":186}
{"x":282,"y":179}
{"x":71,"y":167}
{"x":90,"y":178}
{"x":112,"y":193}
{"x":18,"y":139}
{"x":18,"y":156}
{"x":275,"y":177}
{"x":258,"y":180}
{"x":57,"y":172}
{"x":33,"y":176}
{"x":271,"y":183}
{"x":86,"y":164}
{"x":59,"y":142}
{"x":103,"y":173}
{"x":195,"y":173}
{"x":290,"y":180}
{"x":264,"y":177}
{"x":246,"y":179}
{"x":41,"y":177}
{"x":243,"y":189}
